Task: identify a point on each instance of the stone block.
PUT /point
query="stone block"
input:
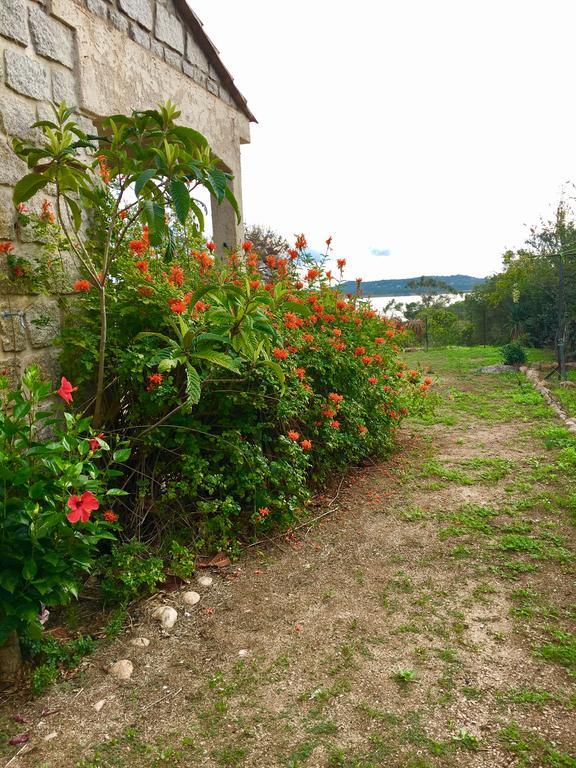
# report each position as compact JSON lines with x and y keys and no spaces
{"x":11,"y":167}
{"x":42,"y":323}
{"x":195,"y":73}
{"x":212,"y":86}
{"x":139,"y":36}
{"x":48,"y":362}
{"x":7,"y":215}
{"x":139,"y":10}
{"x":195,"y":54}
{"x":12,"y":370}
{"x":51,"y":39}
{"x":169,"y":29}
{"x":99,"y":7}
{"x":174,"y":59}
{"x":157,"y":48}
{"x":13,"y":22}
{"x":16,"y":116}
{"x":26,"y":76}
{"x":64,"y":87}
{"x":119,"y":20}
{"x":12,"y":329}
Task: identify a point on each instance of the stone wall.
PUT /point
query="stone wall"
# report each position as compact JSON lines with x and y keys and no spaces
{"x":102,"y":56}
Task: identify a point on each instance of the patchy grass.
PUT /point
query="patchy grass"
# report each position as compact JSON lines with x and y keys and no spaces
{"x":373,"y":638}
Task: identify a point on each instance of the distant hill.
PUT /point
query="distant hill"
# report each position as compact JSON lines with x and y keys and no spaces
{"x":399,"y":286}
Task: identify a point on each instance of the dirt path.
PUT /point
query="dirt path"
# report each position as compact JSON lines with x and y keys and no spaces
{"x":427,"y":622}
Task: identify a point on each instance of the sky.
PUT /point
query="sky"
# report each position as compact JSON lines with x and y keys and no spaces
{"x":424,"y":137}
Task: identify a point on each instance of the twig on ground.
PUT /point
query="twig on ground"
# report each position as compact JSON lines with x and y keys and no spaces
{"x":167,"y":696}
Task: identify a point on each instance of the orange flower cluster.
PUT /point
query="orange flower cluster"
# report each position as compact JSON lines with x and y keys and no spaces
{"x":140,"y":246}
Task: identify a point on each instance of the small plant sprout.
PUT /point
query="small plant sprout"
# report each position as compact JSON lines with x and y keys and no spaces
{"x":466,"y":739}
{"x":404,"y":676}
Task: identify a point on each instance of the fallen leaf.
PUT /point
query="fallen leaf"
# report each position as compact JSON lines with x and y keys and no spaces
{"x":220,"y":560}
{"x":21,"y":739}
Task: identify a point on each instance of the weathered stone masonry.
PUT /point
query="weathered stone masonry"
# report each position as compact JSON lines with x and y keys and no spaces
{"x":102,"y":56}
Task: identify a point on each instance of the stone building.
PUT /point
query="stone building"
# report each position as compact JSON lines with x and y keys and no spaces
{"x":104,"y":57}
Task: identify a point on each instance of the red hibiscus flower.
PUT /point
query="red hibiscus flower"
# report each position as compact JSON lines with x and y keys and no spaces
{"x":81,"y":507}
{"x":95,"y":442}
{"x":66,"y":390}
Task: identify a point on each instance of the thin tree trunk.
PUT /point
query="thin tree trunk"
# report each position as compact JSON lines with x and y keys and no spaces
{"x":561,"y":321}
{"x":10,"y":659}
{"x":101,"y":359}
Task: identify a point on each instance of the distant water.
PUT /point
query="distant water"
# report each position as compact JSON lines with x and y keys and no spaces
{"x":380,"y":302}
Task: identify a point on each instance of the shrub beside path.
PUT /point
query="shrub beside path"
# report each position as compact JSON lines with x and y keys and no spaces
{"x":428,"y":621}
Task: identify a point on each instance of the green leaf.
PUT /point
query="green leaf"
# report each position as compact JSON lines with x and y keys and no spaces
{"x":180,"y":199}
{"x":116,"y":492}
{"x":229,"y":195}
{"x":75,"y":211}
{"x":154,"y":216}
{"x":197,"y":211}
{"x":274,"y":367}
{"x":143,"y":179}
{"x":167,"y":364}
{"x":30,"y":570}
{"x":218,"y":358}
{"x":193,"y":385}
{"x":122,"y":454}
{"x":189,"y":137}
{"x":28,"y":186}
{"x":21,"y":409}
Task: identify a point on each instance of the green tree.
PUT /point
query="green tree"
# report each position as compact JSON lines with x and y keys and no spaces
{"x":140,"y":167}
{"x":434,"y":296}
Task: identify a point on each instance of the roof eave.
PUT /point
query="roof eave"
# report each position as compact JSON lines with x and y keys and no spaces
{"x":212,"y":54}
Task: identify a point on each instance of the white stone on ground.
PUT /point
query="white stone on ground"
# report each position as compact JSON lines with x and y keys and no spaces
{"x":122,"y":670}
{"x":191,"y":598}
{"x":166,"y":615}
{"x":99,"y":704}
{"x":140,"y":642}
{"x":205,"y":581}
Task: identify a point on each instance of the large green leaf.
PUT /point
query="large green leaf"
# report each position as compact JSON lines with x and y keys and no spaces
{"x":154,"y":217}
{"x":180,"y":199}
{"x":218,"y":182}
{"x":218,"y":358}
{"x":197,"y":211}
{"x":189,"y":137}
{"x":275,"y":368}
{"x":143,"y":179}
{"x":193,"y":385}
{"x":75,"y":212}
{"x":229,"y":195}
{"x":28,"y":186}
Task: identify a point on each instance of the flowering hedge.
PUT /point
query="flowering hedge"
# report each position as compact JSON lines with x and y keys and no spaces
{"x":55,"y":481}
{"x":239,"y":382}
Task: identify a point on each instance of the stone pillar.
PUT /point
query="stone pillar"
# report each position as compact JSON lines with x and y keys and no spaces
{"x":227,"y":231}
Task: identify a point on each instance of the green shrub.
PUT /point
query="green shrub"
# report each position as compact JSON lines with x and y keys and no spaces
{"x":51,"y":655}
{"x":240,"y":381}
{"x":513,"y":354}
{"x":52,"y":487}
{"x":129,"y":571}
